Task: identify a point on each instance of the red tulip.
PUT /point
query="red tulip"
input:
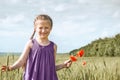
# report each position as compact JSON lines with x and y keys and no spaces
{"x":84,"y":63}
{"x":80,"y":53}
{"x":73,"y":58}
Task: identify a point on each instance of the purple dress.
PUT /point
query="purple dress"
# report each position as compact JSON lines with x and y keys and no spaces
{"x":40,"y":63}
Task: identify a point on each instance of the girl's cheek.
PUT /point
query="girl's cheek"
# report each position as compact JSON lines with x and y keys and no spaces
{"x":37,"y":30}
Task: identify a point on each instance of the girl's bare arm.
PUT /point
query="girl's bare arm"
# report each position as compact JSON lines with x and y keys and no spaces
{"x":66,"y":64}
{"x":22,"y":59}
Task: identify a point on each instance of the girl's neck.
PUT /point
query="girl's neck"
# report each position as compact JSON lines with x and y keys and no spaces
{"x":42,"y":41}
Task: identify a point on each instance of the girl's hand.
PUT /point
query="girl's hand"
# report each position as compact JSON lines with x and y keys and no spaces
{"x":5,"y":68}
{"x":67,"y":63}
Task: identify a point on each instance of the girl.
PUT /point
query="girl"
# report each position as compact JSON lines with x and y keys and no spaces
{"x":39,"y":54}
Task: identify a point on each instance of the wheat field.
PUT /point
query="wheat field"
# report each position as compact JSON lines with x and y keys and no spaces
{"x":96,"y":68}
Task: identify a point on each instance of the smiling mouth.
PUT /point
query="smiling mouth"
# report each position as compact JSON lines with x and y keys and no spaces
{"x":44,"y":34}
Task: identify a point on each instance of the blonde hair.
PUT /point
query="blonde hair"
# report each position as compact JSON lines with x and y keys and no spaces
{"x":41,"y":17}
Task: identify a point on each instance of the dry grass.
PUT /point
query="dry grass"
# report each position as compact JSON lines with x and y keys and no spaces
{"x":97,"y":68}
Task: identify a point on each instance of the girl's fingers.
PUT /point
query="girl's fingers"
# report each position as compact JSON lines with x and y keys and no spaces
{"x":68,"y":63}
{"x":4,"y":68}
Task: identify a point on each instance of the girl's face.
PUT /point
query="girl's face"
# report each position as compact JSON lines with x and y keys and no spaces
{"x":43,"y":28}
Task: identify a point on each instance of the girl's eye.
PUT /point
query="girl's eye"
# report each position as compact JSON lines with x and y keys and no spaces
{"x":46,"y":27}
{"x":40,"y":27}
{"x":43,"y":27}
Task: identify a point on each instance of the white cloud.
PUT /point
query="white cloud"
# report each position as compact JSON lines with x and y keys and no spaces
{"x":61,"y":7}
{"x":68,"y":29}
{"x":10,"y":21}
{"x":82,"y":1}
{"x":104,"y":34}
{"x":116,"y":14}
{"x":14,"y":1}
{"x":115,"y":1}
{"x":117,"y":26}
{"x":11,"y":1}
{"x":79,"y":17}
{"x":13,"y":33}
{"x":109,"y":31}
{"x":13,"y":19}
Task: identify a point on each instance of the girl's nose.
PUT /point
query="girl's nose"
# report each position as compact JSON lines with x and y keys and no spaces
{"x":43,"y":30}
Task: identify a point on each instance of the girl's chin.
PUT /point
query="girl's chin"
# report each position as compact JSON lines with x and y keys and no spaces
{"x":43,"y":37}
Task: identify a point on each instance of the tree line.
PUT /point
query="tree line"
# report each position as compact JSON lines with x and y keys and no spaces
{"x":108,"y":46}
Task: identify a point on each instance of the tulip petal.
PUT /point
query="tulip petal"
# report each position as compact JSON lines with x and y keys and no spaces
{"x":73,"y":58}
{"x":80,"y":53}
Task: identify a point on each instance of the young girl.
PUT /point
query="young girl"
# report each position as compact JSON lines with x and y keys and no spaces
{"x":39,"y":54}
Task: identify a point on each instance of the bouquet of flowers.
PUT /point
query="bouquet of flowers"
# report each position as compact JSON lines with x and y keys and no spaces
{"x":79,"y":54}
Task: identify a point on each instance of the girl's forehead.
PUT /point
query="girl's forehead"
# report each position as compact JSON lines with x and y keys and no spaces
{"x":42,"y":22}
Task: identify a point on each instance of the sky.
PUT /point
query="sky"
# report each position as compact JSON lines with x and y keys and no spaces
{"x":76,"y":23}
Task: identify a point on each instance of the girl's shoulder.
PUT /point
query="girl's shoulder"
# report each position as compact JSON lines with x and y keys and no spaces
{"x":30,"y":43}
{"x":54,"y":45}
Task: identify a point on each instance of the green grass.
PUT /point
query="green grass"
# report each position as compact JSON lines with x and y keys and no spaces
{"x":96,"y":68}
